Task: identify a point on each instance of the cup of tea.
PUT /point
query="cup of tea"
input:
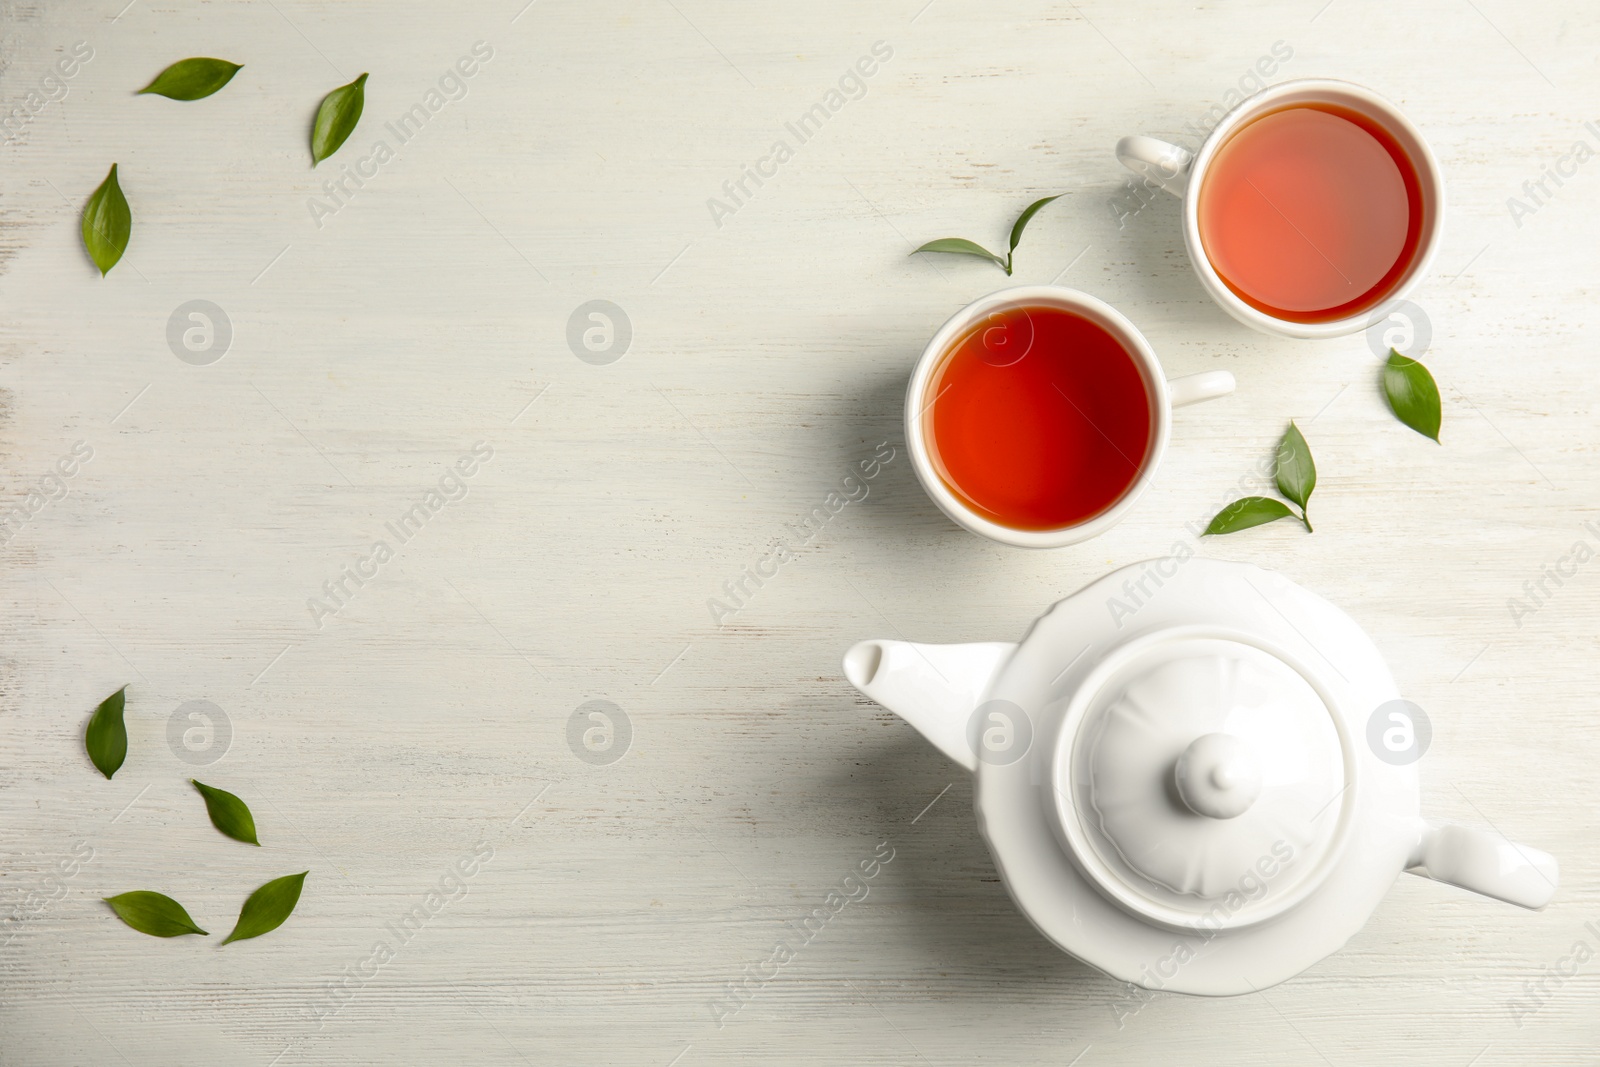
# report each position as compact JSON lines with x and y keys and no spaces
{"x":1037,"y":415}
{"x":1311,"y":210}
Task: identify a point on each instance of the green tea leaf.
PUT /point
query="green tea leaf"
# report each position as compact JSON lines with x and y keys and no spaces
{"x":337,"y":118}
{"x":153,"y":913}
{"x":228,"y":813}
{"x":1412,"y":394}
{"x":1027,"y":217}
{"x":107,"y":223}
{"x":106,"y":736}
{"x":192,"y":79}
{"x":963,"y":247}
{"x":268,"y":907}
{"x":1247,"y":512}
{"x":1297,"y":474}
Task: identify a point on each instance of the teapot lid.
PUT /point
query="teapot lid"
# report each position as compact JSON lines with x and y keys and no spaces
{"x":1203,"y":778}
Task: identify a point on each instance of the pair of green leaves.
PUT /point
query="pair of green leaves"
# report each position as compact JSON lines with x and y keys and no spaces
{"x":1296,"y":475}
{"x":962,"y":247}
{"x":107,"y":220}
{"x":106,"y":741}
{"x":1413,"y":396}
{"x":199,"y":77}
{"x":159,"y":915}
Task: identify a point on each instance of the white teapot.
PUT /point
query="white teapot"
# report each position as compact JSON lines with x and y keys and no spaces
{"x":1193,"y":775}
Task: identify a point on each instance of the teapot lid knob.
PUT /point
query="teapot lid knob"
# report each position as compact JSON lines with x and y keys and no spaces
{"x":1218,"y":776}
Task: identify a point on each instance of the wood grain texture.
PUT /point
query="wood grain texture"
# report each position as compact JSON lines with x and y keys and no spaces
{"x":769,"y":354}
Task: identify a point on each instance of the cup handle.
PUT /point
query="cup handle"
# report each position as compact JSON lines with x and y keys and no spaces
{"x":1193,"y":388}
{"x":1489,"y":864}
{"x":1164,"y":164}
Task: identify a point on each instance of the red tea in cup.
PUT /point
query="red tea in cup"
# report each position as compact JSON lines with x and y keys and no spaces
{"x":1040,"y":418}
{"x":1311,"y":212}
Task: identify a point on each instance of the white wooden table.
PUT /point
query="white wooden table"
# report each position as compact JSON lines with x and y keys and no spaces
{"x":429,"y":715}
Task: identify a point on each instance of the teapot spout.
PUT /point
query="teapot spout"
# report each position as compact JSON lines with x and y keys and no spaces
{"x":935,"y":688}
{"x":1487,"y":863}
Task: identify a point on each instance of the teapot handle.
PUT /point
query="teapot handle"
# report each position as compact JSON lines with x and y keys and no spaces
{"x":1487,"y":863}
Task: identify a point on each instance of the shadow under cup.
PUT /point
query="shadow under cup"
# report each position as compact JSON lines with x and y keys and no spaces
{"x":1039,"y":418}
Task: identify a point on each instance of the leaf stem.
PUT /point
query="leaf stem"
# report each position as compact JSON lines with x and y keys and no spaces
{"x":1305,"y":518}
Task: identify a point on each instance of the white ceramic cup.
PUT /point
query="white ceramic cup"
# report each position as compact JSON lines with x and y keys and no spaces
{"x":1163,"y":395}
{"x":1178,"y":172}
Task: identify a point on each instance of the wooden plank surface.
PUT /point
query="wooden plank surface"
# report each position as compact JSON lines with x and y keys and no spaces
{"x":375,"y":341}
